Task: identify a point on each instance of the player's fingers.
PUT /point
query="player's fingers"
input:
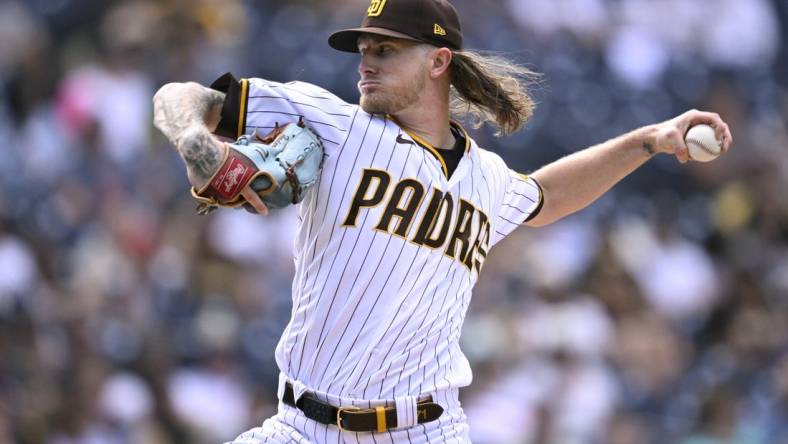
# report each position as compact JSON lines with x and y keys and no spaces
{"x":721,"y":130}
{"x":695,"y":117}
{"x":724,"y":136}
{"x":679,"y":146}
{"x":254,"y":200}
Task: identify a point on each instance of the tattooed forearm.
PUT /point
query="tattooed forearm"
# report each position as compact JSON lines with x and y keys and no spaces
{"x":178,"y":106}
{"x":186,"y":113}
{"x":202,"y":153}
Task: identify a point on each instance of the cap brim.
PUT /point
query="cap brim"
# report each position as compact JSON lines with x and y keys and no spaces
{"x":347,"y":39}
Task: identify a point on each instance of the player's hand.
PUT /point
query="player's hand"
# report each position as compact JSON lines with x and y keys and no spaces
{"x":668,"y":137}
{"x":260,"y":173}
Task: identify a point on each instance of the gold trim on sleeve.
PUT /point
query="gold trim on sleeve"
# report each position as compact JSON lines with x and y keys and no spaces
{"x":242,"y":112}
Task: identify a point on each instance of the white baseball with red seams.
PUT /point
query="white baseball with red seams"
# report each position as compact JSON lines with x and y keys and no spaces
{"x":702,"y":143}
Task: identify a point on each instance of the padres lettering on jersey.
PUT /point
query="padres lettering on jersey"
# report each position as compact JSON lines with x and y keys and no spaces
{"x":388,"y":245}
{"x":428,"y":232}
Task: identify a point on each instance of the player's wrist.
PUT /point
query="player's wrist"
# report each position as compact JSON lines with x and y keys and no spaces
{"x":645,"y":140}
{"x":202,"y":154}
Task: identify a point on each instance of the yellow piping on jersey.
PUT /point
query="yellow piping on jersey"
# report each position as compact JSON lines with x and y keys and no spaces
{"x":431,"y":149}
{"x":464,"y":134}
{"x":435,"y":152}
{"x":242,"y":112}
{"x":539,"y":202}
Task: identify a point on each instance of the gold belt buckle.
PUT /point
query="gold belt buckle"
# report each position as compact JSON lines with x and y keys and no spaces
{"x":339,"y":416}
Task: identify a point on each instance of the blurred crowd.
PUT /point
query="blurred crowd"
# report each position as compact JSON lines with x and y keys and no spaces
{"x":657,"y":315}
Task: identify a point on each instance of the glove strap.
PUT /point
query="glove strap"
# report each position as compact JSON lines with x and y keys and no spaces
{"x":227,"y":182}
{"x":234,"y":174}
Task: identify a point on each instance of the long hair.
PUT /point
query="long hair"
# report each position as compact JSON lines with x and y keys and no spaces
{"x":491,"y":89}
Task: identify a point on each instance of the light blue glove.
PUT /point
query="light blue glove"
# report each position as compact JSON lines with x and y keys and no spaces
{"x":265,"y":172}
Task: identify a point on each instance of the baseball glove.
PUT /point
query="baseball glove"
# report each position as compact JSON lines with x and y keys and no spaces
{"x":259,"y":173}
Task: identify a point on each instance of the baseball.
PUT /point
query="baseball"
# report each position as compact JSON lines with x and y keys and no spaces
{"x":702,"y":143}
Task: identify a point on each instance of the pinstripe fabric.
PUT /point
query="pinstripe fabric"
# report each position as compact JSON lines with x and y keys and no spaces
{"x":378,"y":315}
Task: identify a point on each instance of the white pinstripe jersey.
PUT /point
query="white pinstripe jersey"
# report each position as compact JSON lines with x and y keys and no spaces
{"x":388,"y":247}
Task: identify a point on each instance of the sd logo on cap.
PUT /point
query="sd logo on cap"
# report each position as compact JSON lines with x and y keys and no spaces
{"x":428,"y":21}
{"x":375,"y":8}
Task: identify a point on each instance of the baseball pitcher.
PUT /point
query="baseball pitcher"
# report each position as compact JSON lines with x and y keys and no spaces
{"x":397,"y":207}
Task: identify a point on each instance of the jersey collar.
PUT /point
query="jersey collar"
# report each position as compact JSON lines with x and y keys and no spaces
{"x":431,"y":149}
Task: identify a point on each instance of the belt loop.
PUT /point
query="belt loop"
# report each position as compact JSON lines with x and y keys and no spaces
{"x":406,"y":411}
{"x":280,"y":391}
{"x":298,"y":387}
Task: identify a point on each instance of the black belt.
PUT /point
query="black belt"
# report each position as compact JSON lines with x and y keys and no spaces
{"x":355,"y":419}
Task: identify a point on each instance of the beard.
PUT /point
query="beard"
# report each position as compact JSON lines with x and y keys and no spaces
{"x":391,"y":100}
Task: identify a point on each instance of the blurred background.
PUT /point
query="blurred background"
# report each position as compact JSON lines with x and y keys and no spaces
{"x":657,"y":315}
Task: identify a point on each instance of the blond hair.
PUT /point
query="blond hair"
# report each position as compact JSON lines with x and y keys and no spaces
{"x":490,"y":89}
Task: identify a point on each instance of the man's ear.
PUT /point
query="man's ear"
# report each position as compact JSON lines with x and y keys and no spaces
{"x":441,"y":59}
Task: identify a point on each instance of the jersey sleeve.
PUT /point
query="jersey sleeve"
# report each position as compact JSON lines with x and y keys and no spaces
{"x":259,"y":104}
{"x":521,"y":202}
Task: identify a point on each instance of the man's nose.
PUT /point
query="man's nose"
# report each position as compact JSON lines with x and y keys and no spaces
{"x":365,"y":65}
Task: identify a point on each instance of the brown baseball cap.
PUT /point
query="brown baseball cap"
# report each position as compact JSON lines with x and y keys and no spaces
{"x":428,"y":21}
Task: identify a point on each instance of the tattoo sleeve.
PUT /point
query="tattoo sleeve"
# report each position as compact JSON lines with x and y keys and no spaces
{"x":183,"y":113}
